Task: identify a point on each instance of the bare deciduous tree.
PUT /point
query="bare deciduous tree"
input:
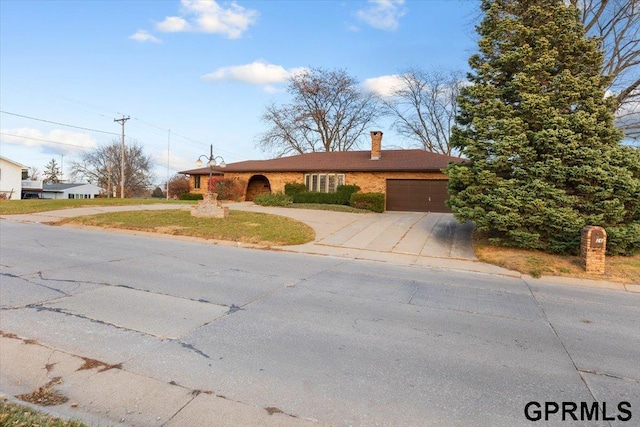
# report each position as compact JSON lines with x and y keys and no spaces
{"x":33,"y":173}
{"x":101,"y":166}
{"x":424,"y":105}
{"x":617,"y":24}
{"x":329,"y":112}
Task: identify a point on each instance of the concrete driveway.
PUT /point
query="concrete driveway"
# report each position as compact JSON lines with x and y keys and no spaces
{"x":407,"y":238}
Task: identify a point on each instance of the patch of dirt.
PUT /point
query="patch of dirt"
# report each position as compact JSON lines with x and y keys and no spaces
{"x":46,"y":395}
{"x":169,"y":229}
{"x":92,"y":364}
{"x":536,"y":263}
{"x":273,"y":410}
{"x":9,"y":335}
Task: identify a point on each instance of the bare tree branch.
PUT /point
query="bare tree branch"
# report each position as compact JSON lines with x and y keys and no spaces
{"x":102,"y":167}
{"x":424,"y":106}
{"x":328,"y":113}
{"x":617,"y":24}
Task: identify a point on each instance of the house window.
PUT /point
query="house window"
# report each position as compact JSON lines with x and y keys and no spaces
{"x":196,"y":181}
{"x":323,"y":182}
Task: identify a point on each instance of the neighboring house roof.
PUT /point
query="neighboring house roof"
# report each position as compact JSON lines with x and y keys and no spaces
{"x":15,"y":163}
{"x":61,"y":187}
{"x":344,"y":161}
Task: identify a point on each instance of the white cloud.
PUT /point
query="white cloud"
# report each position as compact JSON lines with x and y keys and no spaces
{"x":256,"y":73}
{"x":206,"y":16}
{"x":176,"y":163}
{"x":144,"y":36}
{"x":57,"y":140}
{"x":382,"y":14}
{"x":173,"y":24}
{"x":383,"y":85}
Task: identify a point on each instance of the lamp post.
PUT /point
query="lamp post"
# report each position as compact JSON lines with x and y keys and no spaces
{"x":211,"y":162}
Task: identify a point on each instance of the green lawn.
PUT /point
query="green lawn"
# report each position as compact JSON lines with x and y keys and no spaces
{"x":22,"y":416}
{"x":12,"y":207}
{"x":324,"y":207}
{"x":245,"y":227}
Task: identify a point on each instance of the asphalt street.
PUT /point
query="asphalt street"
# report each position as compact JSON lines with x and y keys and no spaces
{"x":191,"y":333}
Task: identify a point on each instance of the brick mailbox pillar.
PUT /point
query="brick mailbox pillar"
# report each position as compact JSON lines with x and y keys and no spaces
{"x":593,"y":245}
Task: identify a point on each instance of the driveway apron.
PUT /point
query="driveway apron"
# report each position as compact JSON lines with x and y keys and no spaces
{"x":390,"y":235}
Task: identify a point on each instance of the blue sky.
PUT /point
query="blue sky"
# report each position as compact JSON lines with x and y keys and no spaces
{"x":205,"y":70}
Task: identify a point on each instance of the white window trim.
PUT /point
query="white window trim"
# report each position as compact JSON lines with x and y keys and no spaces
{"x":339,"y":179}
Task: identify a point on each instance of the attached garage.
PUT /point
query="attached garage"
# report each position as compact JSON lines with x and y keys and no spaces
{"x":417,"y":195}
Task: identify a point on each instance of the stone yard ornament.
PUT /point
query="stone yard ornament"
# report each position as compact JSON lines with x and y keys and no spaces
{"x":210,"y":207}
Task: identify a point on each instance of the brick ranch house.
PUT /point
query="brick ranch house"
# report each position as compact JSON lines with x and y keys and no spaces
{"x":412,"y":180}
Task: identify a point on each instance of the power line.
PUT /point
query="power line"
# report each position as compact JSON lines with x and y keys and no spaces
{"x":57,"y":123}
{"x":44,"y":140}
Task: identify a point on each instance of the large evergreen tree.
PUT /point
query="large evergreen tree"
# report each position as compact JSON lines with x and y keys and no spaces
{"x":544,"y":156}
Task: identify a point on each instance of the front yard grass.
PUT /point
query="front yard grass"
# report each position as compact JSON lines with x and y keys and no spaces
{"x":15,"y":207}
{"x":325,"y":207}
{"x":535,"y":263}
{"x":12,"y":414}
{"x":246,"y":227}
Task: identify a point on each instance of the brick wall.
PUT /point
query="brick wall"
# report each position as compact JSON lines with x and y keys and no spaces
{"x":277,"y":180}
{"x":369,"y":182}
{"x":376,"y":182}
{"x":593,"y":246}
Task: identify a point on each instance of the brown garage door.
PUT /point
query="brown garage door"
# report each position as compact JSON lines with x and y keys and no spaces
{"x":417,"y":195}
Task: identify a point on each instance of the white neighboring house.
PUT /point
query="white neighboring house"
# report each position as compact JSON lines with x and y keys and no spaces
{"x":70,"y":191}
{"x":11,"y":178}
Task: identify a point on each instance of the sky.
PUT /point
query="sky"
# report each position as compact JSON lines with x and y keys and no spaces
{"x":196,"y":73}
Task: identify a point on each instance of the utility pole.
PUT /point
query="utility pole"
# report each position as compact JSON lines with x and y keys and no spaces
{"x":122,"y":121}
{"x":168,"y":148}
{"x":109,"y":168}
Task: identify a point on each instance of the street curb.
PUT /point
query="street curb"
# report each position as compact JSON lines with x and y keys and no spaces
{"x":47,"y":218}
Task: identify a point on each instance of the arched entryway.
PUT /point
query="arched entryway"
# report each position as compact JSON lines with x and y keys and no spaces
{"x":258,"y":184}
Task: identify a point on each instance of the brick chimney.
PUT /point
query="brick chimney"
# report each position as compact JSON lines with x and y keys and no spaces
{"x":376,"y":144}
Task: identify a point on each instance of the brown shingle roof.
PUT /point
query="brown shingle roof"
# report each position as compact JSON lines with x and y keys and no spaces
{"x":201,"y":171}
{"x":344,"y":161}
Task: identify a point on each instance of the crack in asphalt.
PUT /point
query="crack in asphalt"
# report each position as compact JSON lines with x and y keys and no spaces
{"x":564,"y":347}
{"x":39,"y":308}
{"x":13,"y":276}
{"x":606,"y":374}
{"x":192,"y":348}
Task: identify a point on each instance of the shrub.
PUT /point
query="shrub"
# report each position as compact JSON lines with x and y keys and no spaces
{"x":316,"y":197}
{"x":623,"y":240}
{"x":191,"y":196}
{"x":228,"y":189}
{"x":275,"y":199}
{"x":157,"y":193}
{"x":293,"y":188}
{"x":340,"y":197}
{"x":370,"y":201}
{"x":345,"y":192}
